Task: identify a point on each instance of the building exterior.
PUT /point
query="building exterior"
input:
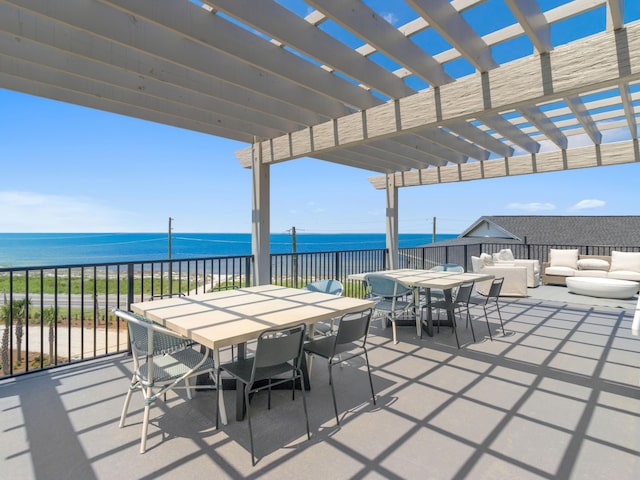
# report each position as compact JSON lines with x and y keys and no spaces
{"x":619,"y":231}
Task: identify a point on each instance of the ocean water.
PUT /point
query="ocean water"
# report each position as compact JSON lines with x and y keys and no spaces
{"x":45,"y":249}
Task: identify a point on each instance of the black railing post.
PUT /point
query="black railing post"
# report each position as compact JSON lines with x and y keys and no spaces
{"x":337,"y":266}
{"x":130,"y":289}
{"x":248,"y":274}
{"x":466,"y":261}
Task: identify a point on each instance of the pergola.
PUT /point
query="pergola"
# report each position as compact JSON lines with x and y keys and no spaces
{"x":420,"y":91}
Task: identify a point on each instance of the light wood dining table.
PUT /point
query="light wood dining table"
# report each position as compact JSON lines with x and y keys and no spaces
{"x":234,"y":317}
{"x":416,"y":279}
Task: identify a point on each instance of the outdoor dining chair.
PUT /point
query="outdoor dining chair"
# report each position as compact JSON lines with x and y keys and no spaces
{"x":460,"y":302}
{"x":333,"y":287}
{"x":389,"y":295}
{"x":278,"y":352}
{"x":437,"y":293}
{"x":493,"y":295}
{"x":162,"y":361}
{"x":350,"y":339}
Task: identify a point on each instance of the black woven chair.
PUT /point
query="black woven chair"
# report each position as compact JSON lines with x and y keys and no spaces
{"x":278,"y":352}
{"x":348,"y":342}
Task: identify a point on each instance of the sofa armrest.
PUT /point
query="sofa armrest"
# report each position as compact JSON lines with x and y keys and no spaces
{"x":532,"y":266}
{"x":515,"y":280}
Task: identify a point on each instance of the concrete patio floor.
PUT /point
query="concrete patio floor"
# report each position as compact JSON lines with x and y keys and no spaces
{"x":557,"y":397}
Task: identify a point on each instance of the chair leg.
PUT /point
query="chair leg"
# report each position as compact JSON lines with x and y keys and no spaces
{"x":246,"y":401}
{"x":333,"y":392}
{"x":125,"y":407}
{"x":220,"y":398}
{"x":455,"y":330}
{"x":486,"y":317}
{"x":395,"y":335}
{"x":188,"y":385}
{"x":373,"y":395}
{"x":470,"y":320}
{"x":500,"y":316}
{"x":145,"y":421}
{"x":304,"y":404}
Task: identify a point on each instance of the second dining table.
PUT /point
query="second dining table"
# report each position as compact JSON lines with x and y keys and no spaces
{"x":233,"y":317}
{"x":427,"y":279}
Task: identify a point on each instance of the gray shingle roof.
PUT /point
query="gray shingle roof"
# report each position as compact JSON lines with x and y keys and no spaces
{"x":573,"y":230}
{"x":619,"y":231}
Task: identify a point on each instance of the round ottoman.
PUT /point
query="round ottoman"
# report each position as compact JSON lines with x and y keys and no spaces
{"x":602,"y":287}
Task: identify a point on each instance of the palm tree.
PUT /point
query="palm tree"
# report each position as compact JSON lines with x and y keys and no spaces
{"x":15,"y":310}
{"x":49,"y":316}
{"x":19,"y":313}
{"x":5,"y":314}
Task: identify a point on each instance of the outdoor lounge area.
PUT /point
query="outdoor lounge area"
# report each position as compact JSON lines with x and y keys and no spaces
{"x":418,"y":94}
{"x":557,"y":396}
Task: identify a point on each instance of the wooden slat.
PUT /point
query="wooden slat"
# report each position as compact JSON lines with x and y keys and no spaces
{"x":542,"y":122}
{"x":615,"y":14}
{"x":600,"y":61}
{"x":70,"y":69}
{"x":230,"y":39}
{"x":397,"y":155}
{"x":509,"y":131}
{"x":25,"y":24}
{"x":444,"y":18}
{"x":533,"y":22}
{"x":481,"y":138}
{"x":362,"y":21}
{"x":629,"y":110}
{"x":583,"y":116}
{"x":272,"y":19}
{"x":31,"y":87}
{"x":425,"y":145}
{"x":607,"y":154}
{"x":449,"y":140}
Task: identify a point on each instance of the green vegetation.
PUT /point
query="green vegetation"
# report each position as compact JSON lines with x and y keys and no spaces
{"x":100,"y":285}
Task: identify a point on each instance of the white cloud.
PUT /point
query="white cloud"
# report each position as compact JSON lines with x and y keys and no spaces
{"x":35,"y":212}
{"x":588,"y":203}
{"x":313,"y":207}
{"x":390,"y":17}
{"x":532,"y":206}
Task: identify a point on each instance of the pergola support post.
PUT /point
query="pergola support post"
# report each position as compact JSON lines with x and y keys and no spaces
{"x":392,"y":221}
{"x":260,"y":216}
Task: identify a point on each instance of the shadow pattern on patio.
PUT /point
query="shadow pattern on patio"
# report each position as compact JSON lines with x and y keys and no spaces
{"x":557,"y":397}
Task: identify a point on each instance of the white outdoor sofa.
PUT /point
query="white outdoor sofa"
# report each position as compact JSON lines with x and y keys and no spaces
{"x":565,"y":263}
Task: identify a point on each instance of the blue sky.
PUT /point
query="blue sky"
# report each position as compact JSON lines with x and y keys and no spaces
{"x":71,"y":169}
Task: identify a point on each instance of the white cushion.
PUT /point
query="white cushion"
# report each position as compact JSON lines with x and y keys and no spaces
{"x":627,"y":261}
{"x":592,"y":273}
{"x":563,"y":257}
{"x":486,"y":260}
{"x":624,"y":275}
{"x":562,"y":271}
{"x":505,"y":255}
{"x":476,"y":264}
{"x":593,"y":264}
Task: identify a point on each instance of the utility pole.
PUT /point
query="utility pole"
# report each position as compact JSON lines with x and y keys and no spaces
{"x":169,"y":257}
{"x":294,"y":257}
{"x":169,"y":237}
{"x":433,"y":238}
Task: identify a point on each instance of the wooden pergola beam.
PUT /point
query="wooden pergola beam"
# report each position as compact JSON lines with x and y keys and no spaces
{"x":584,"y":157}
{"x":597,"y":62}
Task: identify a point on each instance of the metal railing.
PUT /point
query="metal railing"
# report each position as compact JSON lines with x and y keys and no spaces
{"x":57,"y":315}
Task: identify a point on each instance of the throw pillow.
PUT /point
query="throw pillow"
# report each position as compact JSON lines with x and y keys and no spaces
{"x":593,"y":264}
{"x":476,"y":263}
{"x":486,"y":260}
{"x":505,"y":255}
{"x":563,"y":257}
{"x":627,"y":261}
